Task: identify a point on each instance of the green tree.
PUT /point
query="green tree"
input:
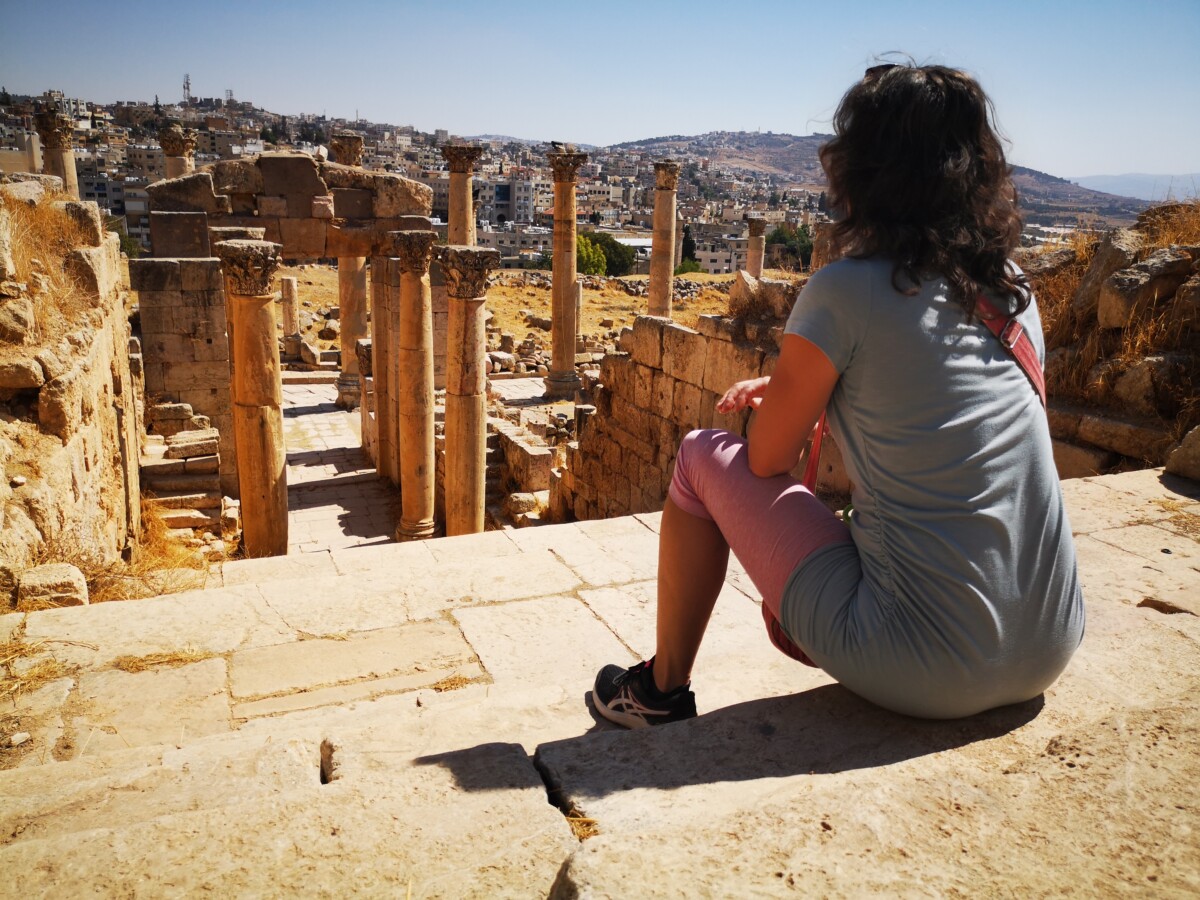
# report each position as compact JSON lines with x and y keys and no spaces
{"x":687,"y":267}
{"x":689,"y":244}
{"x":792,"y":245}
{"x":590,"y":258}
{"x":619,"y":259}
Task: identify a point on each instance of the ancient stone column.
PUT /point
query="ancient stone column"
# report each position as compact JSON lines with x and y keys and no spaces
{"x":414,"y":365}
{"x":291,"y":317}
{"x":563,"y":380}
{"x":461,"y":225}
{"x":257,"y":394}
{"x":384,"y":290}
{"x":57,"y":132}
{"x":756,"y":247}
{"x":347,"y":149}
{"x":466,"y":270}
{"x":179,"y":149}
{"x":662,"y":249}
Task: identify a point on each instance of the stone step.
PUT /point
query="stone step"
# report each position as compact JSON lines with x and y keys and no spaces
{"x":160,"y":483}
{"x":155,"y":466}
{"x":170,"y":427}
{"x":191,"y":518}
{"x":187,"y":444}
{"x":185,"y":499}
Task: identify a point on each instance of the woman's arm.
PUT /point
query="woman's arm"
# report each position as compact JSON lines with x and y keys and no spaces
{"x":794,"y":398}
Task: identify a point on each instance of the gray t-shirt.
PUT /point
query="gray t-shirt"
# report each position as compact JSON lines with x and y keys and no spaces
{"x":964,"y":594}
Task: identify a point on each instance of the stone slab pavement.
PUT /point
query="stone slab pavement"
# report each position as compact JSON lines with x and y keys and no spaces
{"x":412,"y":719}
{"x":335,"y":497}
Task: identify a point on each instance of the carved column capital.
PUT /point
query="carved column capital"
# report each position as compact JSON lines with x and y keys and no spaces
{"x":347,"y":148}
{"x":758,"y":225}
{"x":467,"y":269}
{"x":461,"y":157}
{"x":176,"y":140}
{"x":249,"y":265}
{"x":55,"y":129}
{"x":414,"y":249}
{"x":565,"y":164}
{"x":666,"y":175}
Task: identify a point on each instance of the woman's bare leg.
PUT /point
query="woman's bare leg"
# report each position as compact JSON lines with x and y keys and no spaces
{"x":692,"y":560}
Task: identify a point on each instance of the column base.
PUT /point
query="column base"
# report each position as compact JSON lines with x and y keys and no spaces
{"x":349,"y":391}
{"x":417,"y":531}
{"x":562,"y":385}
{"x":291,"y":346}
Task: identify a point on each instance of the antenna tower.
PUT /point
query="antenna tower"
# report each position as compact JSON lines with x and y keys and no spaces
{"x":187,"y":90}
{"x":228,"y":96}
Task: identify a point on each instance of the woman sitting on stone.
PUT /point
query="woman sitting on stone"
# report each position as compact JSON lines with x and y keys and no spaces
{"x":952,"y":587}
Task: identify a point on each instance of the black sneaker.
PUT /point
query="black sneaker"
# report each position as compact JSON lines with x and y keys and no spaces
{"x":629,"y":697}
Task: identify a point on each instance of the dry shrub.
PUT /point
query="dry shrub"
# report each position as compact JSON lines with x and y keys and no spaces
{"x":159,"y":565}
{"x":1172,"y":223}
{"x":174,"y":660}
{"x":47,"y":235}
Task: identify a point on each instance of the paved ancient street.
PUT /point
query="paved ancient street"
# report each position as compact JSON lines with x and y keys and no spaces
{"x":377,"y":718}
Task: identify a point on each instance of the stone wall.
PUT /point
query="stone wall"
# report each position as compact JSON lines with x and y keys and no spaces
{"x":185,"y":343}
{"x":663,"y":384}
{"x":70,"y":420}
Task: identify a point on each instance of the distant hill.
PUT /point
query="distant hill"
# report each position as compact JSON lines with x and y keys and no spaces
{"x":1045,"y":199}
{"x":1143,"y":186}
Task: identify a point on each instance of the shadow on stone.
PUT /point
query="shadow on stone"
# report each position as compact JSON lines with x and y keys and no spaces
{"x":822,"y":731}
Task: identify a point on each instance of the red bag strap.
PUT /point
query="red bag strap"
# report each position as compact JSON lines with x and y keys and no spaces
{"x":814,"y":457}
{"x":1013,"y":336}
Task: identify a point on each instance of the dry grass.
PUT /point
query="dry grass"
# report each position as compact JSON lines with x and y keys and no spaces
{"x":1099,"y":357}
{"x":159,"y":565}
{"x":184,"y":657}
{"x":42,"y":238}
{"x":581,"y":826}
{"x":17,"y":679}
{"x":450,"y":683}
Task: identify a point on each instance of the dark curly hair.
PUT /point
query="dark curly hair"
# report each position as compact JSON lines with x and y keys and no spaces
{"x":918,"y":172}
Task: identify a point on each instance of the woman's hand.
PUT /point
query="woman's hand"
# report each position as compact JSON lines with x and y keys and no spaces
{"x":743,"y":394}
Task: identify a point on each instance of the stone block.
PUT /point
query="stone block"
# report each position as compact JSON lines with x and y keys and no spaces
{"x":17,"y":322}
{"x":188,"y":193}
{"x":1074,"y":461}
{"x":196,"y":374}
{"x":646,"y":342}
{"x":53,"y":584}
{"x":352,"y":203}
{"x":643,"y":386}
{"x":662,"y":396}
{"x":271,"y":206}
{"x":155,"y":275}
{"x":290,"y":173}
{"x":1117,"y":251}
{"x":86,"y":215}
{"x":1154,"y":280}
{"x":236,"y":176}
{"x":684,"y":353}
{"x":685,"y":406}
{"x":1127,"y":438}
{"x":21,"y":374}
{"x":201,"y":275}
{"x":321,"y":207}
{"x":300,"y":206}
{"x":179,"y":234}
{"x":727,"y":362}
{"x":302,"y":238}
{"x":60,"y":404}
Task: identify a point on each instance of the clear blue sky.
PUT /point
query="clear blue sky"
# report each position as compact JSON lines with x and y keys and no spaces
{"x":1081,"y":88}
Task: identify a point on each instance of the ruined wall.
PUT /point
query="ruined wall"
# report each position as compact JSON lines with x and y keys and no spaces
{"x":69,"y":414}
{"x":185,"y":343}
{"x":663,"y":384}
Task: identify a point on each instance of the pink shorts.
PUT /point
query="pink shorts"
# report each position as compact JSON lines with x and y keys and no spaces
{"x":771,"y":524}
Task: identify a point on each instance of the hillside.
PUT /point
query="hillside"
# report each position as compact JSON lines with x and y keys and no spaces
{"x":1045,"y":198}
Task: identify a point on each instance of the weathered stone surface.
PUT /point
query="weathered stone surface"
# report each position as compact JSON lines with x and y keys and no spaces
{"x":1185,"y":312}
{"x":393,"y":195}
{"x":1184,"y":460}
{"x":1073,"y":461}
{"x":249,"y":265}
{"x":52,"y":584}
{"x":19,"y":374}
{"x":286,"y":172}
{"x":684,"y":353}
{"x":8,"y":268}
{"x":1154,"y":386}
{"x":188,"y":193}
{"x":236,"y":176}
{"x":1116,"y":251}
{"x":173,"y":704}
{"x":1047,"y":264}
{"x":647,"y":339}
{"x":1154,"y":280}
{"x":1126,"y":438}
{"x":85,"y":214}
{"x":17,"y":322}
{"x":302,"y":238}
{"x":31,"y":193}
